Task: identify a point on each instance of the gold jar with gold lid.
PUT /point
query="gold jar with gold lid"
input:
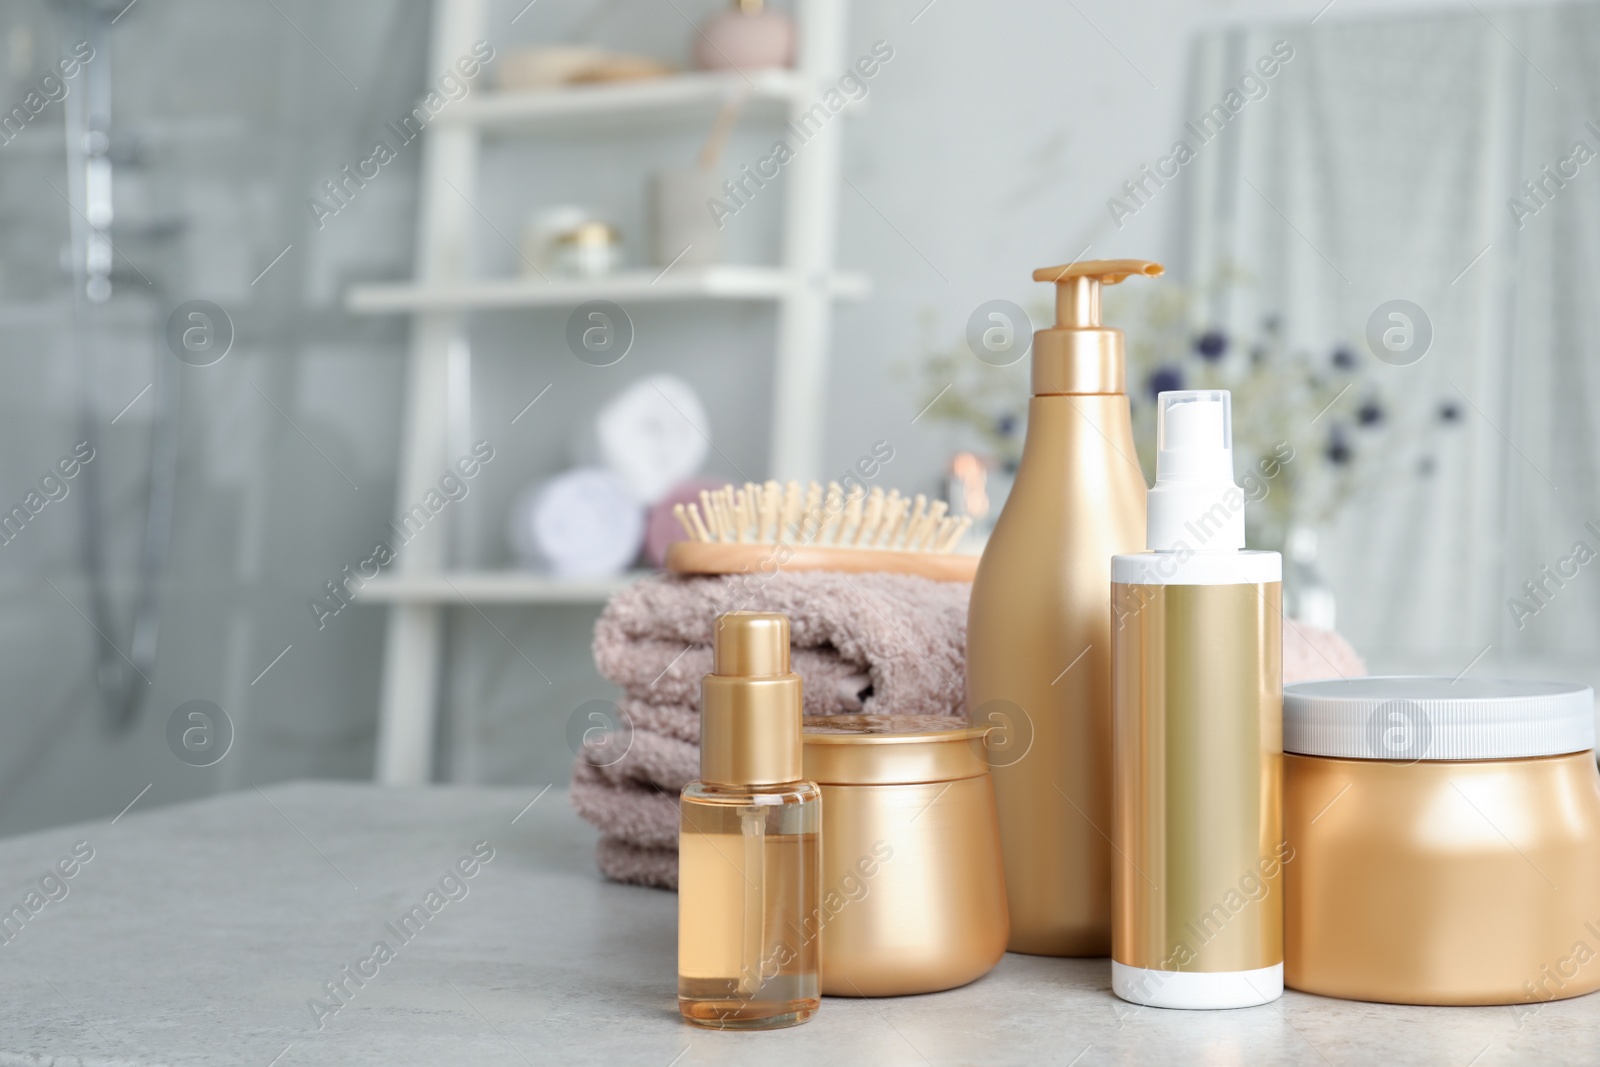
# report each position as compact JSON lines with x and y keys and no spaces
{"x":913,"y":888}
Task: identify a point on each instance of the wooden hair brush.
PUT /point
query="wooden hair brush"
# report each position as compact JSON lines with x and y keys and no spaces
{"x":776,"y":527}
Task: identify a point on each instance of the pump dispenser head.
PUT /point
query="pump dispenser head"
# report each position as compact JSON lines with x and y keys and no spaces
{"x":1194,"y":504}
{"x":750,"y":703}
{"x":1078,"y":354}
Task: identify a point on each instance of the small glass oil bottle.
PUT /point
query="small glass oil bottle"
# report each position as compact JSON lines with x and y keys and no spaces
{"x":749,"y":850}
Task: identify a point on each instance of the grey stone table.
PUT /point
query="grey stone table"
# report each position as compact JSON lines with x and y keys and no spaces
{"x":203,"y":933}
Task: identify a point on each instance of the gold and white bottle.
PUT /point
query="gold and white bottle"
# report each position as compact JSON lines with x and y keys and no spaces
{"x":1038,"y":640}
{"x":749,"y":845}
{"x":1197,"y":679}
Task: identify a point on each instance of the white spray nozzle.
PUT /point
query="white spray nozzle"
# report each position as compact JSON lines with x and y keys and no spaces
{"x":1195,"y":503}
{"x":1197,"y":422}
{"x":1194,"y":435}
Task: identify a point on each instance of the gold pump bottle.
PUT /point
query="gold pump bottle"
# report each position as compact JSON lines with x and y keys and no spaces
{"x":749,"y":844}
{"x":1038,"y":629}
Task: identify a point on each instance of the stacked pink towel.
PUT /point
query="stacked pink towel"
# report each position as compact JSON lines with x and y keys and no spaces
{"x":884,"y":644}
{"x":887,"y":644}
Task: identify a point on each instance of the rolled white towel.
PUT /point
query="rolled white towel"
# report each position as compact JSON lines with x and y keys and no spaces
{"x":654,"y":434}
{"x":581,"y":524}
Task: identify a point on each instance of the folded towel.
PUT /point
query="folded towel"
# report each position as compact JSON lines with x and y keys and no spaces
{"x":907,"y":634}
{"x":667,"y":673}
{"x":623,"y":862}
{"x":862,"y":643}
{"x":640,"y":813}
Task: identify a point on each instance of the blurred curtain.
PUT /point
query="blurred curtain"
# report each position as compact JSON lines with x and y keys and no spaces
{"x":1381,"y":167}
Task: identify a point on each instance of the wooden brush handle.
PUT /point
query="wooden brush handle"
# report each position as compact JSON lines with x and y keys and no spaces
{"x":697,"y":557}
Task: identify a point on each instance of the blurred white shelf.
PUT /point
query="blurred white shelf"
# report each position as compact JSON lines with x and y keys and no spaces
{"x":708,"y":283}
{"x":493,"y":587}
{"x":589,"y":107}
{"x":802,"y":287}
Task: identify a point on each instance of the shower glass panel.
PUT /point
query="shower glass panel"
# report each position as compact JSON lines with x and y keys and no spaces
{"x":194,"y":436}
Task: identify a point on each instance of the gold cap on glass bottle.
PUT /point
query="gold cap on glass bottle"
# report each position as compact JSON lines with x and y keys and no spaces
{"x":1077,"y":354}
{"x":750,"y":703}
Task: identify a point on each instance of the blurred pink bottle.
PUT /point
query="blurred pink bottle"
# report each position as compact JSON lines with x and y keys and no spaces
{"x":748,"y":37}
{"x":662,"y":527}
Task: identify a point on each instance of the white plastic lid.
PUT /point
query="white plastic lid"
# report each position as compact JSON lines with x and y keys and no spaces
{"x":1436,"y":718}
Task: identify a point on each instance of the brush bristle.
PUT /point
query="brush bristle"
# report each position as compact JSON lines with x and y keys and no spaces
{"x":828,"y":517}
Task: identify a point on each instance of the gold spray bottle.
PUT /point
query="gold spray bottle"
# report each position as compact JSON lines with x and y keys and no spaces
{"x":749,"y":844}
{"x":1197,"y":676}
{"x":1038,"y":641}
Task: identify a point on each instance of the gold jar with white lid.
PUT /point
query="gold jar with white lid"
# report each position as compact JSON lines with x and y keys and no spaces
{"x":1443,"y":840}
{"x":913,"y":890}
